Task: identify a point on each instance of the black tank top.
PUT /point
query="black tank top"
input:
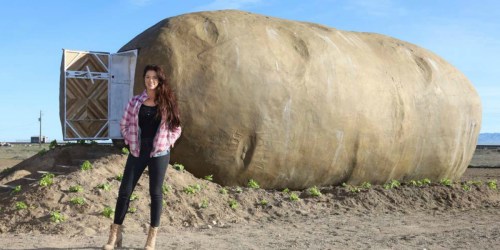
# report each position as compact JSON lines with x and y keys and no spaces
{"x":148,"y":121}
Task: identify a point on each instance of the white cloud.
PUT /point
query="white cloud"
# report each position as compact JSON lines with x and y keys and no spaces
{"x":228,"y":4}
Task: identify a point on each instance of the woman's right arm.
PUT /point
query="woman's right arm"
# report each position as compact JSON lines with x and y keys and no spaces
{"x":125,"y":121}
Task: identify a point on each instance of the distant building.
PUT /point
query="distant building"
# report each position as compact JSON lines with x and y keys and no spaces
{"x":36,"y":139}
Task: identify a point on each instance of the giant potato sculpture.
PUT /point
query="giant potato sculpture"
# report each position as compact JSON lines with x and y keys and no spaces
{"x":294,"y":104}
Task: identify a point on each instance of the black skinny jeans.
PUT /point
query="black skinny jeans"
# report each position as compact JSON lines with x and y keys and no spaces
{"x":133,"y":170}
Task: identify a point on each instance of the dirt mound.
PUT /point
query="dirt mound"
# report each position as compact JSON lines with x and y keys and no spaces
{"x":189,"y":201}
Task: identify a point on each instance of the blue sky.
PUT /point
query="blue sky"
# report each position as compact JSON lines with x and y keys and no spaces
{"x":33,"y":33}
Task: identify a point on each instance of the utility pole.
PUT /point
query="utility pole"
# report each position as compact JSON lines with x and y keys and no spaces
{"x":40,"y":138}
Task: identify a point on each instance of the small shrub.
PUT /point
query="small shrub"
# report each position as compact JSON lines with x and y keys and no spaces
{"x":492,"y":184}
{"x":253,"y":184}
{"x":465,"y":187}
{"x":132,"y":210}
{"x":392,"y":184}
{"x":263,"y":202}
{"x":76,"y":189}
{"x":209,"y":177}
{"x":119,"y":177}
{"x":105,"y":186}
{"x":56,"y":217}
{"x":223,"y":191}
{"x":17,"y":189}
{"x":412,"y":183}
{"x":108,"y":212}
{"x":233,"y":204}
{"x":475,"y":183}
{"x":86,"y":165}
{"x":353,"y":189}
{"x":77,"y":201}
{"x":203,"y":204}
{"x":425,"y":181}
{"x":47,"y":180}
{"x":366,"y":185}
{"x":238,"y":190}
{"x":21,"y":205}
{"x":166,"y":188}
{"x":93,"y":142}
{"x":7,"y":170}
{"x":294,"y":197}
{"x":81,"y":142}
{"x":178,"y":167}
{"x":53,"y":144}
{"x":42,"y":151}
{"x":192,"y":189}
{"x":125,"y":151}
{"x":446,"y":182}
{"x":286,"y":191}
{"x":314,"y":191}
{"x":134,"y":197}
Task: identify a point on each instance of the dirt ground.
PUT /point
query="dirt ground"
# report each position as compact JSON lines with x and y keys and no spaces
{"x":464,"y":215}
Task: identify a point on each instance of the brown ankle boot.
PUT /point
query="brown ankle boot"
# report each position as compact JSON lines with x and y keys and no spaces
{"x":115,"y":237}
{"x":150,"y":243}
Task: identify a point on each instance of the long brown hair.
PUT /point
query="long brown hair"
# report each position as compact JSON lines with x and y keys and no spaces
{"x":168,"y":109}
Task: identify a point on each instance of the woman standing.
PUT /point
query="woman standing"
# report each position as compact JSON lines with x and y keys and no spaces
{"x":150,"y":126}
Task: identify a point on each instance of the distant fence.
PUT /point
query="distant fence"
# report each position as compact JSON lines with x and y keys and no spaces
{"x":487,"y":146}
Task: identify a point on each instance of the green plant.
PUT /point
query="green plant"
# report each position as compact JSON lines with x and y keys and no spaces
{"x":192,"y":189}
{"x":223,"y":190}
{"x":166,"y":188}
{"x":42,"y":151}
{"x":56,"y":217}
{"x":86,"y":165}
{"x":446,"y":182}
{"x":7,"y":170}
{"x":392,"y":184}
{"x":134,"y":197}
{"x":93,"y":142}
{"x":263,"y":202}
{"x":366,"y":185}
{"x":286,"y":191}
{"x":81,"y":142}
{"x":353,"y":189}
{"x":47,"y":180}
{"x":425,"y":181}
{"x":203,"y":204}
{"x":21,"y":205}
{"x":132,"y":210}
{"x":76,"y":189}
{"x":53,"y":144}
{"x":253,"y":184}
{"x":465,"y":187}
{"x":77,"y":201}
{"x":119,"y":177}
{"x":17,"y":189}
{"x":108,"y":212}
{"x":238,"y":190}
{"x":294,"y":197}
{"x":314,"y":191}
{"x":164,"y":203}
{"x":125,"y":151}
{"x":492,"y":184}
{"x":104,"y":186}
{"x":178,"y":167}
{"x":475,"y":183}
{"x":233,"y":204}
{"x":209,"y":177}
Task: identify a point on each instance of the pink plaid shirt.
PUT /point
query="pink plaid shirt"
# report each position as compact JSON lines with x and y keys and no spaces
{"x":164,"y":139}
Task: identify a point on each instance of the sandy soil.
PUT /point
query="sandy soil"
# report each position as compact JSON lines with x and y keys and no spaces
{"x":465,"y":215}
